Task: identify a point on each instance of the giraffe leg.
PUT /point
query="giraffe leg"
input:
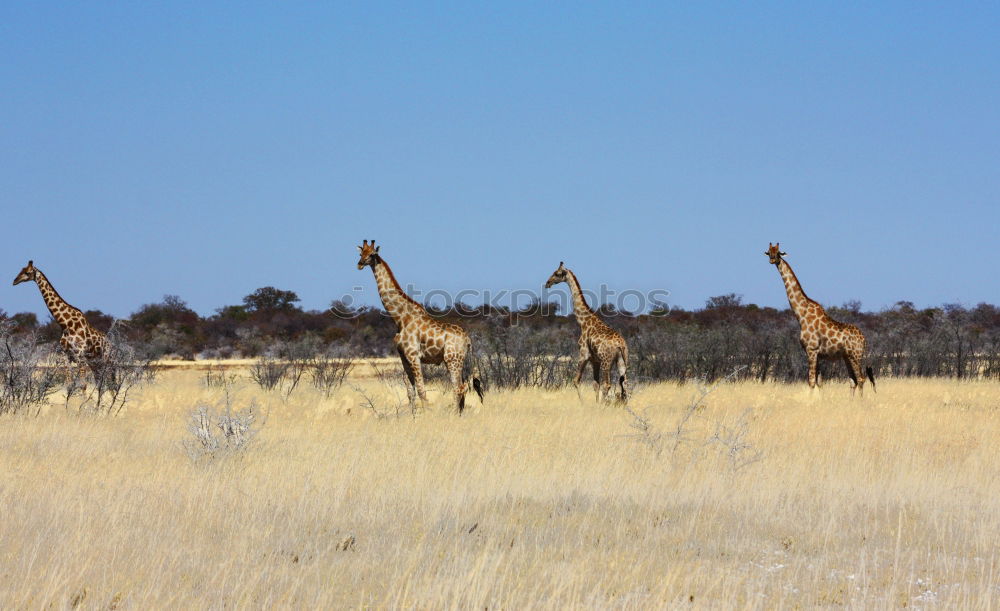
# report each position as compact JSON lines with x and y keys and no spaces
{"x":418,"y":378}
{"x":579,"y":374}
{"x":596,"y":363}
{"x":606,"y":366}
{"x":455,"y":372}
{"x":813,"y":357}
{"x":850,"y":373}
{"x":411,"y":364}
{"x":77,"y":365}
{"x":581,"y":363}
{"x":411,"y":393}
{"x":623,"y":380}
{"x":580,"y":367}
{"x":857,"y":373}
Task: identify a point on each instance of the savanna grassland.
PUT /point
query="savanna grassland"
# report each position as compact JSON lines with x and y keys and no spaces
{"x":756,"y":496}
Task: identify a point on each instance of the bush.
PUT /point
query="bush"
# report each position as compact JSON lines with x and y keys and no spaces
{"x":329,"y":373}
{"x":268,"y":372}
{"x":27,"y":381}
{"x":284,"y":366}
{"x":217,"y":376}
{"x":509,"y":355}
{"x":236,"y":430}
{"x":116,"y":373}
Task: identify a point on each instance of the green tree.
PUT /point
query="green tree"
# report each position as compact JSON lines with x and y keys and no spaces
{"x":270,"y":300}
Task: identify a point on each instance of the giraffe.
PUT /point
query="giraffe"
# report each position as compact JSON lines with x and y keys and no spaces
{"x":600,"y":345}
{"x":822,"y":336}
{"x":421,"y":338}
{"x":81,"y":342}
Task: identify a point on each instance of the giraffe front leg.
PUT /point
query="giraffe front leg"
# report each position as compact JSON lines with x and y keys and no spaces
{"x":580,"y":367}
{"x":813,"y":357}
{"x":597,"y":379}
{"x":581,"y":364}
{"x":418,"y":378}
{"x":77,"y":370}
{"x":411,"y":389}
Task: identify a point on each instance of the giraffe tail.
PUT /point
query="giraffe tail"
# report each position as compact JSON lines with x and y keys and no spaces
{"x":478,"y":385}
{"x":871,"y":376}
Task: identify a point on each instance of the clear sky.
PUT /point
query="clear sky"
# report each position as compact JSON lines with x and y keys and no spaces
{"x":207,"y":149}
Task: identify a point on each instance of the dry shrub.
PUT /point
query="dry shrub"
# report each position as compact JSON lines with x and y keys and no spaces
{"x":222,"y":432}
{"x":509,"y":355}
{"x":329,"y":372}
{"x":26,"y":380}
{"x":119,"y":371}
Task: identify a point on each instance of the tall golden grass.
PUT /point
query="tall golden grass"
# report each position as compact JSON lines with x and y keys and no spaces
{"x":535,"y":499}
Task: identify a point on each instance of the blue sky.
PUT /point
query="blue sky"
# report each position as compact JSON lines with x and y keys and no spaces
{"x":207,"y":149}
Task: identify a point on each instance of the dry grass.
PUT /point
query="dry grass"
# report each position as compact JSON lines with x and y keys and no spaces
{"x":537,"y":499}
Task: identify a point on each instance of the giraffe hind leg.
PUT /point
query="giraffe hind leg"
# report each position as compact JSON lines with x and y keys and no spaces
{"x":596,"y":365}
{"x":850,"y":370}
{"x":455,"y":373}
{"x":622,"y":381}
{"x":851,"y":373}
{"x":857,"y":374}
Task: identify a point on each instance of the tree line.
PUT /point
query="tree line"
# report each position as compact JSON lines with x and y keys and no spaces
{"x":514,"y":347}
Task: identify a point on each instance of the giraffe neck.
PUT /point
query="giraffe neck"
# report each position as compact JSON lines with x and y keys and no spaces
{"x":580,"y":307}
{"x":60,"y":310}
{"x":397,"y":303}
{"x":797,"y":298}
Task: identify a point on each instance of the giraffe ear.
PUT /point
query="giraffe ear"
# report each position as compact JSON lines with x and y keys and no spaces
{"x":782,"y":253}
{"x":360,"y":249}
{"x":377,"y":248}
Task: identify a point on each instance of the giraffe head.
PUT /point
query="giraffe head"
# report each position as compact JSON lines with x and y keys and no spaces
{"x":560,"y":275}
{"x":27,"y":274}
{"x":369,"y":254}
{"x":774,"y":253}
